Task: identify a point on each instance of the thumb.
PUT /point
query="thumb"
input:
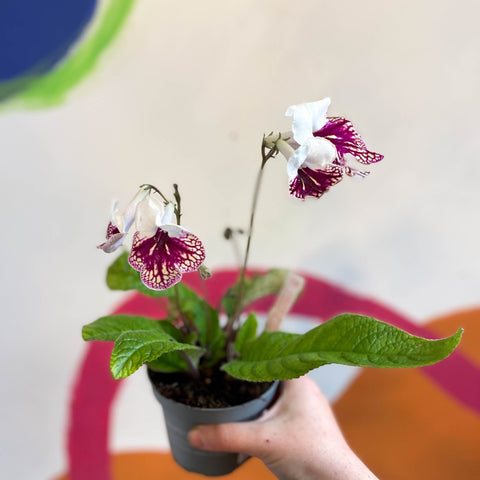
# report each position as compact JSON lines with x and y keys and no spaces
{"x":227,"y":437}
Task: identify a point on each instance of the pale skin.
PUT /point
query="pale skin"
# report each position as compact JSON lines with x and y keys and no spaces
{"x":297,"y":439}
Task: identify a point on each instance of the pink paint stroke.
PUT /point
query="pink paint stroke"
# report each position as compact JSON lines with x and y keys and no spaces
{"x":95,"y":390}
{"x":92,"y":398}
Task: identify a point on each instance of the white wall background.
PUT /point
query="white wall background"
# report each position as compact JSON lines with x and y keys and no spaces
{"x":185,"y":96}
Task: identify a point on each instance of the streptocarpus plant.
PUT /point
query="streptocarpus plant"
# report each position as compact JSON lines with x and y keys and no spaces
{"x":197,"y":337}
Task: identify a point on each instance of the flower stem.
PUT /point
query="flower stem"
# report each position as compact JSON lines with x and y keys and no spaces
{"x":155,"y":189}
{"x":191,"y":367}
{"x":178,"y":200}
{"x":272,"y":151}
{"x":208,"y":313}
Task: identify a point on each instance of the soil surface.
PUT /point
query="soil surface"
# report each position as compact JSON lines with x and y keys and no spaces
{"x":215,"y":389}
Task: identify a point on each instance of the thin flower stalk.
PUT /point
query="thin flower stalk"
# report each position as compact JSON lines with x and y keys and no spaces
{"x":241,"y":282}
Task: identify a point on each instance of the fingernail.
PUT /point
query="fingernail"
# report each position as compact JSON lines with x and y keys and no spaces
{"x":195,"y":438}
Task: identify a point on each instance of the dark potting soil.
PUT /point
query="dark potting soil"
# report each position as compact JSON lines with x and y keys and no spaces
{"x":215,"y":389}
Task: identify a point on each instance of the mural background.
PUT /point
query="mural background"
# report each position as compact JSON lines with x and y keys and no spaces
{"x":120,"y":93}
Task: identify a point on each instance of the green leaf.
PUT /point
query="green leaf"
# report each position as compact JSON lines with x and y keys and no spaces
{"x":257,"y":287}
{"x":134,"y":348}
{"x":347,"y":339}
{"x":168,"y":327}
{"x":111,"y":327}
{"x":247,"y":332}
{"x":211,"y":336}
{"x":174,"y":362}
{"x":216,"y":351}
{"x":203,"y":316}
{"x":169,"y":362}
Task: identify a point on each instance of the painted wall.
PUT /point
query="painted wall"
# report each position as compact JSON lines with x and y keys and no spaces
{"x":165,"y":91}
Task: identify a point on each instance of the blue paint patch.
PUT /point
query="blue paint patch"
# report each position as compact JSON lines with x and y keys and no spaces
{"x":36,"y":34}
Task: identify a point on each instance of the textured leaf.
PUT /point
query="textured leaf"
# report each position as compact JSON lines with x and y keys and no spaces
{"x":247,"y":331}
{"x":347,"y":339}
{"x":111,"y":327}
{"x":257,"y":287}
{"x":133,"y":349}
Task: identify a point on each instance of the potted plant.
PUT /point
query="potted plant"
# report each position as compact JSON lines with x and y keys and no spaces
{"x":210,"y":364}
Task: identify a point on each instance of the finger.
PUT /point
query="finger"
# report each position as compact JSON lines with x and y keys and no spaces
{"x":301,"y":390}
{"x":227,"y":437}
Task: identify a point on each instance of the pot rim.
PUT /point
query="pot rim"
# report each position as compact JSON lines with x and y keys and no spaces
{"x":274,"y":384}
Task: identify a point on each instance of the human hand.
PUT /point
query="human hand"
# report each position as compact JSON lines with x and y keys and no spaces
{"x":297,"y":439}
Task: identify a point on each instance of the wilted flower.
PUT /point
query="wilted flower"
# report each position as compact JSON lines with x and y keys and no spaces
{"x":316,"y":153}
{"x":120,"y":224}
{"x":161,"y":250}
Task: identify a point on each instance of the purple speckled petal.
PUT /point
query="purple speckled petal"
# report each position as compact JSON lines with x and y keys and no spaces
{"x":342,"y":134}
{"x":161,"y":260}
{"x":112,"y":230}
{"x":314,"y":183}
{"x":114,"y":239}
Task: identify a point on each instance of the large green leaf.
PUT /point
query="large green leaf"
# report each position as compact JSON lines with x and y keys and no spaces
{"x":347,"y":339}
{"x":257,"y":287}
{"x":133,"y":349}
{"x":109,"y":328}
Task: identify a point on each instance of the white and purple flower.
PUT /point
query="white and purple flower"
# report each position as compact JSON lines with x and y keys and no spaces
{"x":161,"y":250}
{"x":120,"y":224}
{"x":317,"y":152}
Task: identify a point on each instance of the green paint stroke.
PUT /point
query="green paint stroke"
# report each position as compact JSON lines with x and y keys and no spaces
{"x":51,"y":89}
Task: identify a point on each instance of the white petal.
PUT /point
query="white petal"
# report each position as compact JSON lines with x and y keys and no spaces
{"x":175,"y":230}
{"x":129,"y":214}
{"x":307,"y":118}
{"x":320,"y":153}
{"x":318,"y":111}
{"x":167,"y":216}
{"x":301,"y":122}
{"x":148,"y":210}
{"x":116,"y":217}
{"x":296,"y":161}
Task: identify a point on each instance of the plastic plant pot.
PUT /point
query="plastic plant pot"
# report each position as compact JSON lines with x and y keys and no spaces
{"x":181,"y":418}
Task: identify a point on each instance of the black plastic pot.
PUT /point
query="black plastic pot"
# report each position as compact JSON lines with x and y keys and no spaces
{"x":181,"y":418}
